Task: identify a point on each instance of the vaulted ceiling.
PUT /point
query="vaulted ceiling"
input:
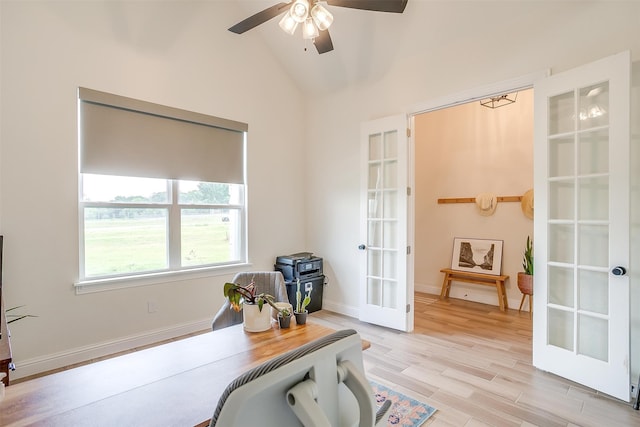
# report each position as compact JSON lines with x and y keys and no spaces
{"x":367,"y":43}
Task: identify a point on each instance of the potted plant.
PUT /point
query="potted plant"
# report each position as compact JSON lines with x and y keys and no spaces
{"x":245,"y":298}
{"x":278,"y":307}
{"x":284,"y":318}
{"x":525,"y":278}
{"x":301,"y":305}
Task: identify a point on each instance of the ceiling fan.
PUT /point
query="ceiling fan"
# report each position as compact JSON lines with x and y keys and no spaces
{"x":314,"y":17}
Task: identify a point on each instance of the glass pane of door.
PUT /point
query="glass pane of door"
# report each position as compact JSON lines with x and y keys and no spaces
{"x":581,"y":227}
{"x":384,"y":296}
{"x":382,"y":219}
{"x":578,"y":239}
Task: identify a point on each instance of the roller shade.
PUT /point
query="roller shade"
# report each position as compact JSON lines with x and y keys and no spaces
{"x":128,"y":137}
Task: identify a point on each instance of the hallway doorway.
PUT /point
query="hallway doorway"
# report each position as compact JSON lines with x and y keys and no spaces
{"x":464,"y":151}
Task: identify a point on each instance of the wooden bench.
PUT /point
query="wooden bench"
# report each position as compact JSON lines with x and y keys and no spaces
{"x":478,"y":279}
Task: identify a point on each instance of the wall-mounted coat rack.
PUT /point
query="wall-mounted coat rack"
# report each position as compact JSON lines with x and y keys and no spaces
{"x":473,"y":199}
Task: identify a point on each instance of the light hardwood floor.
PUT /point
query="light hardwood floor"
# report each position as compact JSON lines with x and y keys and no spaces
{"x":473,"y":363}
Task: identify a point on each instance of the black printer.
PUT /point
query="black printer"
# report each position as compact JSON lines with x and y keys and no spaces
{"x":308,"y":269}
{"x":297,"y":266}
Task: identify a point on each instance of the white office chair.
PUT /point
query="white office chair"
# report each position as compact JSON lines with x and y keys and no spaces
{"x":321,"y":384}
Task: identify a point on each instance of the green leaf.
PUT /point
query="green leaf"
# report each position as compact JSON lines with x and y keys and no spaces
{"x":527,"y":260}
{"x":305,"y":302}
{"x":233,"y":292}
{"x":227,"y":288}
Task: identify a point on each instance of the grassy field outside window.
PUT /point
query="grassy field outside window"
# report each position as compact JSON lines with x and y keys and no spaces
{"x":133,"y":226}
{"x":115,"y":246}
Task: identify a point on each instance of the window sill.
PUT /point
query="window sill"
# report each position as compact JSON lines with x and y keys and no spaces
{"x":102,"y":285}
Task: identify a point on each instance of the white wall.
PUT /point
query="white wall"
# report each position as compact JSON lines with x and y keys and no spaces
{"x":180,"y":54}
{"x":556,"y":35}
{"x":172,"y":53}
{"x":491,"y":46}
{"x":463,"y":151}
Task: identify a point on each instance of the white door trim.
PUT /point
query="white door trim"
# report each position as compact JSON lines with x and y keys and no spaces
{"x":474,"y":94}
{"x":471,"y":95}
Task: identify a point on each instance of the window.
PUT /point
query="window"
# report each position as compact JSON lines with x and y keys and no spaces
{"x":141,"y":211}
{"x":135,"y":225}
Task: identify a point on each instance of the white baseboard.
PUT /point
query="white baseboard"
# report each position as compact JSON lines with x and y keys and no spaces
{"x":28,"y":367}
{"x":482,"y":295}
{"x":339,"y":308}
{"x":428,"y":289}
{"x":25,"y":368}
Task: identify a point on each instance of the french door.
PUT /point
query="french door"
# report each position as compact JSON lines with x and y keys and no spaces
{"x":385,"y":296}
{"x":581,"y":225}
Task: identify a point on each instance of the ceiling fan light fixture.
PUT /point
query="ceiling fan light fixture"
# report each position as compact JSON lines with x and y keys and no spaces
{"x":321,"y":16}
{"x":313,"y":16}
{"x":299,"y":10}
{"x":309,"y":29}
{"x":288,"y":24}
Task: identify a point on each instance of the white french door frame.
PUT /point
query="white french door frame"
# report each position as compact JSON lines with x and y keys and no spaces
{"x":368,"y":312}
{"x":521,"y":83}
{"x":473,"y":95}
{"x":567,"y":341}
{"x":386,"y":294}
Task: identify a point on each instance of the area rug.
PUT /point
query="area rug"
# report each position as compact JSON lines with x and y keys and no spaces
{"x":404,"y":411}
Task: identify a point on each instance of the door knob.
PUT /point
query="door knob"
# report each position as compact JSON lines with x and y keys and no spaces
{"x":362,"y":247}
{"x":619,"y":271}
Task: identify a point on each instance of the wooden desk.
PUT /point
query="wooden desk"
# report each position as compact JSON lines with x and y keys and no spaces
{"x":478,"y":279}
{"x":5,"y":345}
{"x":175,"y":384}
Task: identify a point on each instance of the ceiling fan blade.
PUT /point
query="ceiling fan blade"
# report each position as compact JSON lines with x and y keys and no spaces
{"x":395,"y":6}
{"x":259,"y":18}
{"x":323,"y":42}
